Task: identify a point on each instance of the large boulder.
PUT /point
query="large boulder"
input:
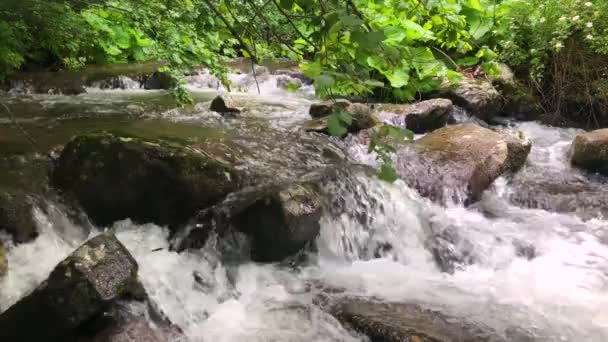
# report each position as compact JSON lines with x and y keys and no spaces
{"x":477,"y":96}
{"x":115,"y":177}
{"x":280,"y":219}
{"x":16,"y":217}
{"x":361,"y":114}
{"x":399,"y":322}
{"x":92,"y":278}
{"x":590,"y":151}
{"x":457,"y":163}
{"x":422,"y":117}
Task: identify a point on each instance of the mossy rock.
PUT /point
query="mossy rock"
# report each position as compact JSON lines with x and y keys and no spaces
{"x":96,"y":275}
{"x":458,"y":163}
{"x":162,"y":182}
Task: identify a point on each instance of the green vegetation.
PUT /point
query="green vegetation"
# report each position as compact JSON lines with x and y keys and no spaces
{"x":389,"y":49}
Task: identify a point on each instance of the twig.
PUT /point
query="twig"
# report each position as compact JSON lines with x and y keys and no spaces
{"x":265,"y":20}
{"x":292,"y":24}
{"x":446,"y":56}
{"x":230,"y":28}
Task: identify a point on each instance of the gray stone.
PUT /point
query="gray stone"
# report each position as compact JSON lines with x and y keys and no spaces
{"x":590,"y":151}
{"x":457,"y":163}
{"x":424,"y":116}
{"x":97,"y":274}
{"x":16,"y":216}
{"x":223,"y":105}
{"x":162,"y":182}
{"x":479,"y":97}
{"x":280,"y":219}
{"x":405,"y":322}
{"x":361,"y":114}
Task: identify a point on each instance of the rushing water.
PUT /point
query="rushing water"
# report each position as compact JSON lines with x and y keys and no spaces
{"x":542,"y":271}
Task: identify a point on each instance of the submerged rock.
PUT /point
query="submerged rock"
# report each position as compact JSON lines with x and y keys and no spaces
{"x":399,"y":322}
{"x":479,"y":97}
{"x":223,"y":106}
{"x":424,"y":116}
{"x":97,"y":274}
{"x":590,"y":151}
{"x":115,"y":178}
{"x":16,"y":217}
{"x":459,"y":162}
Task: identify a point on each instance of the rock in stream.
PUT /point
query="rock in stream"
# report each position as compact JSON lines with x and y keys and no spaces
{"x":115,"y":178}
{"x":96,"y":275}
{"x":405,"y":322}
{"x":457,"y":163}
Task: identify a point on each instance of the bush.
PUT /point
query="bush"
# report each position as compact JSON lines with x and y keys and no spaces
{"x":561,"y":48}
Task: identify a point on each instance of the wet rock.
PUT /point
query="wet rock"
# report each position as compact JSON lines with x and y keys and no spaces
{"x":117,"y":82}
{"x":158,"y":80}
{"x":3,"y":261}
{"x":16,"y":216}
{"x":479,"y":97}
{"x":136,"y":330}
{"x":590,"y":151}
{"x":399,"y":322}
{"x":280,"y":219}
{"x":450,"y":250}
{"x":423,"y":117}
{"x":519,"y":102}
{"x":325,"y":108}
{"x":114,"y":178}
{"x":286,"y":82}
{"x":362,"y":116}
{"x":97,"y":274}
{"x":457,"y":163}
{"x":294,"y":74}
{"x":223,"y":105}
{"x":559,"y":192}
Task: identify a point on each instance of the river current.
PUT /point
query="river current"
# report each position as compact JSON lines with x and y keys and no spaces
{"x":533,"y":253}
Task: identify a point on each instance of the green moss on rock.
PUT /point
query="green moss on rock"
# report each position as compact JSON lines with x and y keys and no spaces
{"x":117,"y":177}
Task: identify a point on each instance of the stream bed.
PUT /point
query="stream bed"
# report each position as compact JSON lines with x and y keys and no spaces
{"x":536,"y":244}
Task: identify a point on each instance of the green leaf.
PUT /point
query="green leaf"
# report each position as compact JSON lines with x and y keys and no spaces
{"x":351,"y":20}
{"x":468,"y":61}
{"x":335,"y":126}
{"x":373,"y":83}
{"x":398,"y":77}
{"x":388,"y":173}
{"x":345,"y":117}
{"x":324,"y":81}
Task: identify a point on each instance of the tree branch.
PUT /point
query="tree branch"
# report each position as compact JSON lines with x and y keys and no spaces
{"x":292,"y":24}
